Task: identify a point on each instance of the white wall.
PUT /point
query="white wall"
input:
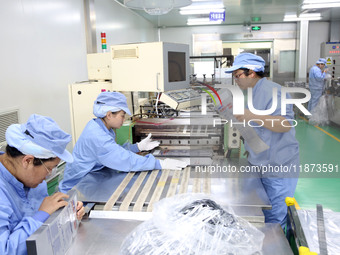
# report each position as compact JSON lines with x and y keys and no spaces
{"x":43,"y":49}
{"x":185,"y":34}
{"x":335,"y":31}
{"x":236,"y":32}
{"x":121,"y":24}
{"x":318,"y":33}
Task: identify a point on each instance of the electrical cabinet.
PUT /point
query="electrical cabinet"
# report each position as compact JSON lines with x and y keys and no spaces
{"x":331,"y":52}
{"x":82,"y":97}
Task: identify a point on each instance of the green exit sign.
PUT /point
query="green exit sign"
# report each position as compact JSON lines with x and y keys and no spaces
{"x":256,"y":28}
{"x":255,"y":19}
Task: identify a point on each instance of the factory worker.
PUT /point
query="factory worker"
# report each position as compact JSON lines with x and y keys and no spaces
{"x":96,"y":147}
{"x":248,"y":71}
{"x":33,"y":150}
{"x":317,"y":82}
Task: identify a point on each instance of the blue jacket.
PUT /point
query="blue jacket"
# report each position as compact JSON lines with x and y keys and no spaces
{"x":283,"y":151}
{"x":96,"y":148}
{"x":284,"y":148}
{"x":19,"y":215}
{"x":316,"y":78}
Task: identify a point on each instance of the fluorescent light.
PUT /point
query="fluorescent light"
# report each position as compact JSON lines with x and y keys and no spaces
{"x":309,"y":15}
{"x":202,"y":6}
{"x":202,"y":21}
{"x":320,"y":5}
{"x":201,"y":11}
{"x":318,"y":1}
{"x":306,"y":16}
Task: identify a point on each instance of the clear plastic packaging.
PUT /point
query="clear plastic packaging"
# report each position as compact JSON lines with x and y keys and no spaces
{"x":193,"y":224}
{"x":320,"y":113}
{"x":308,"y":220}
{"x":247,"y":132}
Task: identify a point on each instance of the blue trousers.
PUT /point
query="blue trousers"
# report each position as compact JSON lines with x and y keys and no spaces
{"x":277,"y":190}
{"x":315,"y":96}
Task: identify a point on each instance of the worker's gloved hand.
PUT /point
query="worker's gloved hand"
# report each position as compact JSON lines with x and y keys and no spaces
{"x":147,"y":144}
{"x":172,"y":164}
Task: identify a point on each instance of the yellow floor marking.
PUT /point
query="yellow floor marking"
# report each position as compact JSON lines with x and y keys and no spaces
{"x":335,"y":138}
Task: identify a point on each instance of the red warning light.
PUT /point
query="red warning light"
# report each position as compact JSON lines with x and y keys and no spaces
{"x":103,"y":40}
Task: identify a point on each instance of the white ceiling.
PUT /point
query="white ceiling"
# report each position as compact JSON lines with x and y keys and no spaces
{"x":241,"y":11}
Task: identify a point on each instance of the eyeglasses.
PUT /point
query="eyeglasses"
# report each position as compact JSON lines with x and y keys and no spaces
{"x":49,"y":172}
{"x":238,"y":75}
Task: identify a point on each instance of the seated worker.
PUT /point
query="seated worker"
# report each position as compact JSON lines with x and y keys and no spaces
{"x":96,"y":147}
{"x":33,"y":151}
{"x":248,"y":71}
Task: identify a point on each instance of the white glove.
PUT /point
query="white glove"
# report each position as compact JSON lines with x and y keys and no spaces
{"x":172,"y":164}
{"x":147,"y":144}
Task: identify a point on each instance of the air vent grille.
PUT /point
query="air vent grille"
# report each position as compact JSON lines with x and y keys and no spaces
{"x":125,"y":53}
{"x":7,"y":119}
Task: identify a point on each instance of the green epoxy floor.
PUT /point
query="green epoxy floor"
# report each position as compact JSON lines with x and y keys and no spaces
{"x":316,"y":147}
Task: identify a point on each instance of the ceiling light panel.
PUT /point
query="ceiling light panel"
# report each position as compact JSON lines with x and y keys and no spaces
{"x":307,"y":16}
{"x":156,"y":7}
{"x":202,"y":21}
{"x":204,"y":5}
{"x":318,"y":1}
{"x":320,"y":5}
{"x":202,"y":11}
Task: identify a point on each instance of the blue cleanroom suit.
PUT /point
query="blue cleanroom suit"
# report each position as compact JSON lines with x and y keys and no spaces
{"x":316,"y":85}
{"x":283,"y":151}
{"x":19,"y":215}
{"x":96,"y":148}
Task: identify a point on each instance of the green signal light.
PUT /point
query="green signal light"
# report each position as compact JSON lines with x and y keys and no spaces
{"x":256,"y":28}
{"x":256,"y":19}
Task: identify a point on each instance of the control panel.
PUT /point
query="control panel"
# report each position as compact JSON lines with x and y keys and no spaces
{"x":233,"y":139}
{"x":180,"y":99}
{"x":331,"y":52}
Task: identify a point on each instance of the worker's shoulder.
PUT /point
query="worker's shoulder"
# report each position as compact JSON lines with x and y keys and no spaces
{"x":315,"y":68}
{"x":269,"y":84}
{"x":93,"y":135}
{"x":92,"y":129}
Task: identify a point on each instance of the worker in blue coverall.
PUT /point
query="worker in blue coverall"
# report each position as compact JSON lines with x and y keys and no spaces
{"x":248,"y":71}
{"x":317,"y":82}
{"x":33,"y":150}
{"x":96,"y":147}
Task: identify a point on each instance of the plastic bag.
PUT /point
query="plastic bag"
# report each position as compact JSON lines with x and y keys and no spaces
{"x":193,"y":224}
{"x":308,"y":219}
{"x":248,"y":133}
{"x":320,"y":113}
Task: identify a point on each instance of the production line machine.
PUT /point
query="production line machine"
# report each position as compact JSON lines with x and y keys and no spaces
{"x":117,"y":202}
{"x":333,"y":100}
{"x":331,"y":52}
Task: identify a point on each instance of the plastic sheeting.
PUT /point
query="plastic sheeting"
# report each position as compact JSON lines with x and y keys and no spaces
{"x":247,"y":132}
{"x":308,"y":221}
{"x":320,"y":113}
{"x":193,"y":224}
